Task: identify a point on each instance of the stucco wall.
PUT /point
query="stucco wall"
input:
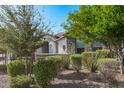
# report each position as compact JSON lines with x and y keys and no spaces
{"x":52,"y":47}
{"x":62,"y":42}
{"x":39,"y":50}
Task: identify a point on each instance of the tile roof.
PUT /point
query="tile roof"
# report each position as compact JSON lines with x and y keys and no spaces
{"x":60,"y":34}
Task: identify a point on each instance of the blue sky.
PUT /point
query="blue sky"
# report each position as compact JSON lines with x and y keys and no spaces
{"x":57,"y":14}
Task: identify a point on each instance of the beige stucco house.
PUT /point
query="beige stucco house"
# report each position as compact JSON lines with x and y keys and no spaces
{"x":61,"y":44}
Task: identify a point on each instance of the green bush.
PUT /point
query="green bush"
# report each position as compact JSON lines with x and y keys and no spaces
{"x":66,"y":61}
{"x":15,"y":68}
{"x":18,"y":67}
{"x":76,"y":61}
{"x":93,"y":65}
{"x":46,"y":70}
{"x":20,"y":81}
{"x":104,"y":53}
{"x":54,"y":57}
{"x":89,"y":60}
{"x":64,"y":58}
{"x":89,"y":54}
{"x":58,"y":62}
{"x":3,"y":67}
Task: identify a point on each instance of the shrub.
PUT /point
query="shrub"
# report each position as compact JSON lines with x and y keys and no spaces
{"x":18,"y":67}
{"x":104,"y":53}
{"x":89,"y":60}
{"x":76,"y":61}
{"x":15,"y":68}
{"x":66,"y":60}
{"x":108,"y":63}
{"x":28,"y":65}
{"x":3,"y":67}
{"x":20,"y":81}
{"x":58,"y":62}
{"x":46,"y":70}
{"x":108,"y":68}
{"x":93,"y":65}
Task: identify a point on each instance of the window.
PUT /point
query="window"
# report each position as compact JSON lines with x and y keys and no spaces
{"x":64,"y":47}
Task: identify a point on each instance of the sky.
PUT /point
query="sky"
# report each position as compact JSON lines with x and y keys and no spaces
{"x":56,"y":14}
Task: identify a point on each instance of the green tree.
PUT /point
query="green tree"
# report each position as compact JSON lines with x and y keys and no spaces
{"x":99,"y":23}
{"x":77,"y":25}
{"x":27,"y":27}
{"x":4,"y":49}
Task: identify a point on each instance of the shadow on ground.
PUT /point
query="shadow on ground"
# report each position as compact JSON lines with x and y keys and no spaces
{"x":72,"y":79}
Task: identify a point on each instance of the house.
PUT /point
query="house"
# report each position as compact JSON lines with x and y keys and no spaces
{"x":61,"y":44}
{"x":58,"y":44}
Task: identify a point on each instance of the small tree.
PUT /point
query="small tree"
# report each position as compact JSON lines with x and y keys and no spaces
{"x":4,"y":49}
{"x":99,"y":23}
{"x":28,"y":29}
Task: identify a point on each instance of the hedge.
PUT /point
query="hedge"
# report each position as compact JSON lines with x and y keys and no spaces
{"x":104,"y":53}
{"x":46,"y":70}
{"x":76,"y":61}
{"x":18,"y":67}
{"x":20,"y":81}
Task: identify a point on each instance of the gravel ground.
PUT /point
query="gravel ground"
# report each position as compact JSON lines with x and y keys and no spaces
{"x":71,"y":79}
{"x":3,"y":80}
{"x":67,"y":79}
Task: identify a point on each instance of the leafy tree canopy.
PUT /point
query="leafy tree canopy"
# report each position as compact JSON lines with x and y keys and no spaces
{"x":25,"y":28}
{"x":99,"y":23}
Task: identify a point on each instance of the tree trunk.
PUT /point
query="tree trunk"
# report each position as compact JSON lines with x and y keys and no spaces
{"x":5,"y":58}
{"x":26,"y":66}
{"x":32,"y":61}
{"x":120,"y":57}
{"x":121,"y":66}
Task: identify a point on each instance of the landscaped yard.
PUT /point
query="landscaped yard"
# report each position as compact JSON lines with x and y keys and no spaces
{"x":69,"y":79}
{"x":25,"y":33}
{"x":89,"y":69}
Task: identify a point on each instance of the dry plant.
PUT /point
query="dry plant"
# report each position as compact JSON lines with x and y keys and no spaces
{"x":108,"y":68}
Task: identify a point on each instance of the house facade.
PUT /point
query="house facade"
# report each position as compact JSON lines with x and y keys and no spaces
{"x":60,"y":44}
{"x":57,"y":44}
